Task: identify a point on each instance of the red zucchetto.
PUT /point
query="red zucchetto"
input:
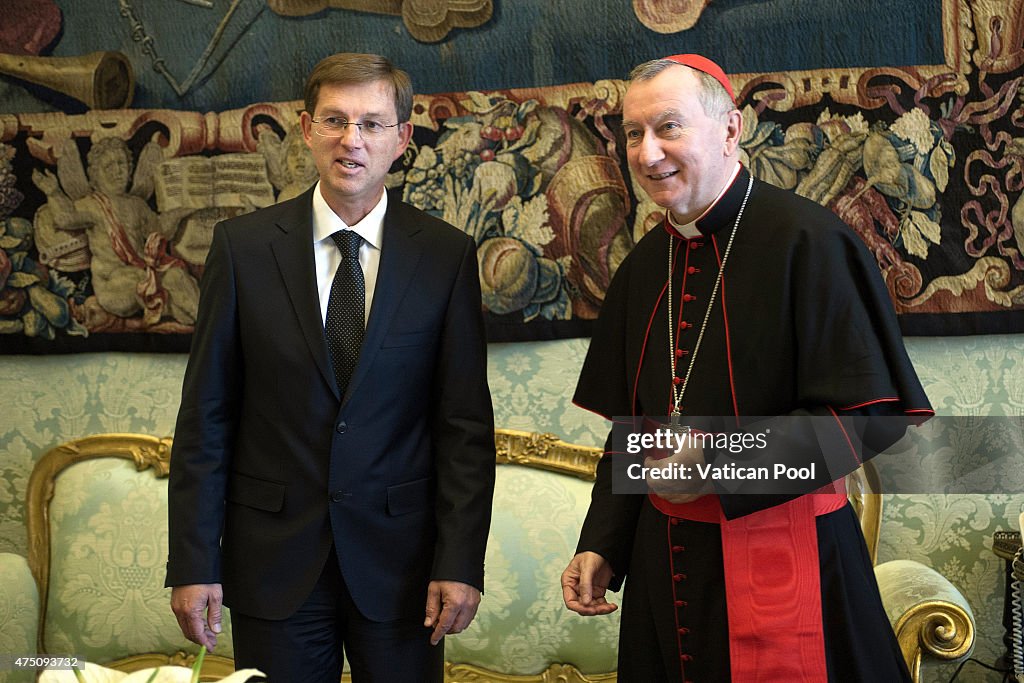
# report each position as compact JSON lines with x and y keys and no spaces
{"x":705,"y":65}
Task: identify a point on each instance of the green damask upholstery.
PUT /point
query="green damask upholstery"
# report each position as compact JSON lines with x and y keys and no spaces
{"x":19,"y":613}
{"x":522,"y":626}
{"x":108,"y":526}
{"x":97,"y":527}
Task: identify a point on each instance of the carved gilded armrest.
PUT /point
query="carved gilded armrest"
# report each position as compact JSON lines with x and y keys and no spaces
{"x":931,"y":618}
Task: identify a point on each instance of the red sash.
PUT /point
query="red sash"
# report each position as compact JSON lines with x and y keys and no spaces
{"x":772,"y":584}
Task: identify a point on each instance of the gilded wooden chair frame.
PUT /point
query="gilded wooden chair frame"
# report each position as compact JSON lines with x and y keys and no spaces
{"x":147,"y":453}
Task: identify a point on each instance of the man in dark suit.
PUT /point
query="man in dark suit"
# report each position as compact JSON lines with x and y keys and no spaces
{"x":328,"y":480}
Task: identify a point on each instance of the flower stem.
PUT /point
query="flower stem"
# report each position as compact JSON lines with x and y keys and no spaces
{"x":198,"y":665}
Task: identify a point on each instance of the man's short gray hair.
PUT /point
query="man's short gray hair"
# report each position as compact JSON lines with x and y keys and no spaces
{"x":714,"y":99}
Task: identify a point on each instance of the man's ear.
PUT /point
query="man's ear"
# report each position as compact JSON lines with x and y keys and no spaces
{"x":733,"y":131}
{"x":404,"y":136}
{"x":306,"y":121}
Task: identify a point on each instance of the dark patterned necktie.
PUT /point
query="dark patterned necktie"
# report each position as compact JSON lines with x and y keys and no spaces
{"x":345,"y":309}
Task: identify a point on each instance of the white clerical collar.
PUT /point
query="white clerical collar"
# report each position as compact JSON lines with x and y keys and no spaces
{"x":326,"y":222}
{"x":689,"y":230}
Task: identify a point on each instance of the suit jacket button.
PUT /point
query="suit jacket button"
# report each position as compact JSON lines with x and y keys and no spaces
{"x":338,"y":496}
{"x":341,"y":427}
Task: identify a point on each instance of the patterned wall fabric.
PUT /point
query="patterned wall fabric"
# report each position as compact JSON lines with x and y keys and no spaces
{"x":52,"y":399}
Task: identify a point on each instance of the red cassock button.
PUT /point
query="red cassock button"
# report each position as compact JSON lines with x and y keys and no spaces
{"x":678,"y":577}
{"x":677,"y":380}
{"x":675,"y":521}
{"x":685,"y":325}
{"x":696,"y":245}
{"x":683,"y":631}
{"x":680,"y":603}
{"x":681,"y":352}
{"x":690,"y":270}
{"x":688,"y":297}
{"x":678,"y":548}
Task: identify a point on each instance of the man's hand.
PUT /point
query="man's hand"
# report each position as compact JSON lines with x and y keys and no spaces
{"x":190,"y":604}
{"x":451,"y":606}
{"x":584,"y":584}
{"x":677,"y":489}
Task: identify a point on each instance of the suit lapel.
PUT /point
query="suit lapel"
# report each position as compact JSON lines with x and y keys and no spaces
{"x":293,"y":250}
{"x":400,"y":252}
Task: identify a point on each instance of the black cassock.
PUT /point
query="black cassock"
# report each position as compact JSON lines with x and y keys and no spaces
{"x":801,"y":325}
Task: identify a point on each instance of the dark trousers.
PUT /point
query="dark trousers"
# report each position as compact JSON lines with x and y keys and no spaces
{"x":307,"y":646}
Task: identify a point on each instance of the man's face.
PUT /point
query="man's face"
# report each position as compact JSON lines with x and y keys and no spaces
{"x":352,"y":167}
{"x":679,"y":155}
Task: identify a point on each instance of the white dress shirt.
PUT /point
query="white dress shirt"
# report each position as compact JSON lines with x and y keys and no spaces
{"x":327,"y":256}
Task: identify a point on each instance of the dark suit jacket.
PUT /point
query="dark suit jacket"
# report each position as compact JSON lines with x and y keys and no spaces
{"x":270,"y":466}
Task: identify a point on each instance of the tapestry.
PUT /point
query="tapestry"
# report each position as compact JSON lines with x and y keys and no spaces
{"x":106,"y":214}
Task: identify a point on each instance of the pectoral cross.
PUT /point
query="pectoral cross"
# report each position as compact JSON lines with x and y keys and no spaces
{"x":675,"y":423}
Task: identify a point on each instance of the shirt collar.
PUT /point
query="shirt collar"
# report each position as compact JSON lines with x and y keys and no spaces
{"x":715,"y":215}
{"x":326,"y":222}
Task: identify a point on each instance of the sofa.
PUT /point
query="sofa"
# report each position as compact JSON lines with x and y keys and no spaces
{"x":92,"y":584}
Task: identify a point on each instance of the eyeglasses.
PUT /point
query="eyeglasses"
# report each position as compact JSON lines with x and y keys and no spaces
{"x":335,"y":127}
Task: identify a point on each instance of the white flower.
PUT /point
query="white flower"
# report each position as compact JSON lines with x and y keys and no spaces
{"x":857,"y":123}
{"x":161,"y":674}
{"x":94,"y":673}
{"x":914,"y":127}
{"x":181,"y":674}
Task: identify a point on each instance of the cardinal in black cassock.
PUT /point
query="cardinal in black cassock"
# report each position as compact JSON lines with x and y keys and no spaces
{"x":748,"y":301}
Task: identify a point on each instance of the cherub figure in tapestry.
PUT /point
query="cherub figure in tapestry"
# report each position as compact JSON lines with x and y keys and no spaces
{"x":132,"y":268}
{"x":290,"y":166}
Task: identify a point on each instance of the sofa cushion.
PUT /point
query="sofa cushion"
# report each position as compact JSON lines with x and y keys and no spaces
{"x":522,"y":626}
{"x":19,"y":609}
